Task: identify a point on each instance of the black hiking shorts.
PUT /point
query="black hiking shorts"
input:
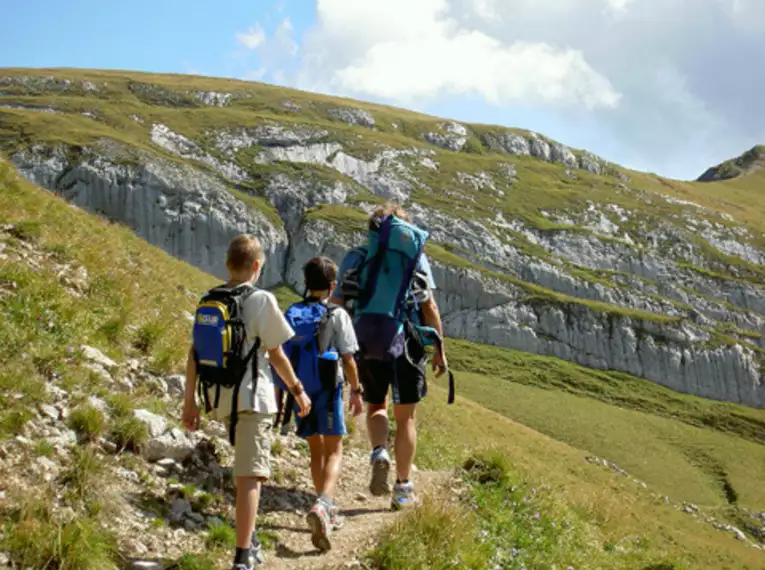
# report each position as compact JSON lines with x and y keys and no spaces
{"x":405,"y":376}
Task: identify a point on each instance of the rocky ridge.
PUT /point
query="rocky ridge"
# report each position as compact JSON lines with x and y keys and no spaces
{"x":633,"y":280}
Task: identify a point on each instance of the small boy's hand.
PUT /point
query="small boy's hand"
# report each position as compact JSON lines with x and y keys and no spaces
{"x":190,"y":417}
{"x":355,"y":404}
{"x":304,"y":403}
{"x":439,"y":363}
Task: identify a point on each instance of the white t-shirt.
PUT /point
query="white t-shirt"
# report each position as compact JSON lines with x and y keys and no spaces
{"x":340,"y":333}
{"x":263,"y":319}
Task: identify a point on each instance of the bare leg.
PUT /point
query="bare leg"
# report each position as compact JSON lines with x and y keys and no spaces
{"x":316,"y":445}
{"x":333,"y":455}
{"x":406,"y":439}
{"x":247,"y":499}
{"x":377,"y":424}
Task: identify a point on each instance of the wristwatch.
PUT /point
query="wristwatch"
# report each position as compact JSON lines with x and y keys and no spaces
{"x":358,"y":391}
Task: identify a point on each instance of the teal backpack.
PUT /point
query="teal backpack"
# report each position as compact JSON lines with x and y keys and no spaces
{"x":380,"y":286}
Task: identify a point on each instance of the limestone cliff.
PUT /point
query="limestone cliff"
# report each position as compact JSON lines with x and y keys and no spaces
{"x":535,"y":246}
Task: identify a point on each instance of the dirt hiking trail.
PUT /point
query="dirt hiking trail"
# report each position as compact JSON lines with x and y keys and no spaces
{"x":366,"y":516}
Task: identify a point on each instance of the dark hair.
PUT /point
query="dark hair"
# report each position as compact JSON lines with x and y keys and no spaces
{"x":319,"y":273}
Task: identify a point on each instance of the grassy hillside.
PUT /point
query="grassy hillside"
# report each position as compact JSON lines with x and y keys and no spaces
{"x":124,"y":105}
{"x":97,"y":283}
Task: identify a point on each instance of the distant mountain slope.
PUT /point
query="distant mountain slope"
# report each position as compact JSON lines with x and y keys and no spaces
{"x":536,"y":246}
{"x":750,"y":162}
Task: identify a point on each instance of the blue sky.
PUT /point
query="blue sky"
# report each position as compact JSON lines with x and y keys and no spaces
{"x":635,"y":81}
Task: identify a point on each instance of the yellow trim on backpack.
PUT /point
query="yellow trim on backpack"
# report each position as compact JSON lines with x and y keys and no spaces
{"x":226,"y":330}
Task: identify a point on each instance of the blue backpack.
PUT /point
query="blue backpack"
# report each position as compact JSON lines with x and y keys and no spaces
{"x":380,"y":286}
{"x":219,"y":335}
{"x":315,"y":368}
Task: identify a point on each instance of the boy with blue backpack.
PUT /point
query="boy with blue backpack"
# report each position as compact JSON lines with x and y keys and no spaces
{"x":324,"y":337}
{"x":389,"y":284}
{"x":238,"y":332}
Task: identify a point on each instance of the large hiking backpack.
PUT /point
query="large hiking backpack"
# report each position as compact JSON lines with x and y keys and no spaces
{"x":219,"y":339}
{"x":394,"y":248}
{"x":315,"y":368}
{"x":382,"y":289}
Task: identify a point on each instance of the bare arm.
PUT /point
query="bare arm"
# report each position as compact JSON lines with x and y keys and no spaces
{"x":282,"y":365}
{"x":283,"y":368}
{"x":351,"y":371}
{"x":191,"y":377}
{"x":431,"y":316}
{"x":190,"y":415}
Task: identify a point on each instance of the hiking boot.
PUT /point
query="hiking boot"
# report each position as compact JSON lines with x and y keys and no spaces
{"x":256,"y":551}
{"x":319,"y":522}
{"x":403,"y":496}
{"x":380,"y":461}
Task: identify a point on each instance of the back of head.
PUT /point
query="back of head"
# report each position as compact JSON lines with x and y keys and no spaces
{"x":243,"y":251}
{"x":319,"y":274}
{"x":385,"y":210}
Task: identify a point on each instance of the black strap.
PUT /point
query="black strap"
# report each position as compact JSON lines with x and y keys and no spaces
{"x":234,"y":418}
{"x":288,"y":408}
{"x":450,"y":398}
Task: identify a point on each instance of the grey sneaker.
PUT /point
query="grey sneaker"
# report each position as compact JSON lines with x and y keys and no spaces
{"x":336,"y":521}
{"x":256,"y":551}
{"x":380,"y":460}
{"x":319,"y":522}
{"x":403,"y":496}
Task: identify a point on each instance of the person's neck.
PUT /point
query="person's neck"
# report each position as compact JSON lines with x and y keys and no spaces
{"x":320,"y":295}
{"x":236,"y":279}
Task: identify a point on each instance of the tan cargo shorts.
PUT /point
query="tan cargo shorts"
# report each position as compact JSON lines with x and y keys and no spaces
{"x":252,"y":448}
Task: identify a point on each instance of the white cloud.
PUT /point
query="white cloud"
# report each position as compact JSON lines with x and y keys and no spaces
{"x":284,"y":40}
{"x":618,"y":6}
{"x":408,"y":51}
{"x":253,"y":38}
{"x":670,"y":85}
{"x":272,"y":52}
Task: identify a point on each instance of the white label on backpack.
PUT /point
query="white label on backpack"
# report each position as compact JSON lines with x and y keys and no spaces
{"x":211,"y":320}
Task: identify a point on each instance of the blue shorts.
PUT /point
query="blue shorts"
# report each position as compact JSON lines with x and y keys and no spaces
{"x":326,"y":416}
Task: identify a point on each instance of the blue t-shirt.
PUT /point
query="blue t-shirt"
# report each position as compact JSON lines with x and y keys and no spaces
{"x":354,"y":258}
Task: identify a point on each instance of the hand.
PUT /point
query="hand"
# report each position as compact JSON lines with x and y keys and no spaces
{"x":304,"y":403}
{"x":355,"y":404}
{"x":190,"y":416}
{"x":439,"y":363}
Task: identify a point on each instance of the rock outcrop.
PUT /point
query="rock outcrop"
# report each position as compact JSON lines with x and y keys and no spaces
{"x":673,"y":294}
{"x":187,"y":212}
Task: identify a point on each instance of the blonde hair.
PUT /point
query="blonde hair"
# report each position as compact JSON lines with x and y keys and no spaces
{"x":387,"y":209}
{"x":243,"y":251}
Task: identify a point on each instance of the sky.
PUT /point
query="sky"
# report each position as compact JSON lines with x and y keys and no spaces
{"x":666,"y":86}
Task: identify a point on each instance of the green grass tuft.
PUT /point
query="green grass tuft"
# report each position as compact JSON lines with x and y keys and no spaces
{"x":221,"y":536}
{"x":34,"y":539}
{"x":88,"y":422}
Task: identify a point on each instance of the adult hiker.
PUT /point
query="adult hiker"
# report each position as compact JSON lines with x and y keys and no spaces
{"x":389,"y":285}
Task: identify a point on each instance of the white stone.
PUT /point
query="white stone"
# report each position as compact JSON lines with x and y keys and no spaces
{"x":95,"y":356}
{"x":156,"y":424}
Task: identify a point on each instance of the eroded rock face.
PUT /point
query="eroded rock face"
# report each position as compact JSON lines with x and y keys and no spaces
{"x":192,"y":214}
{"x":188,"y":213}
{"x":669,"y":355}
